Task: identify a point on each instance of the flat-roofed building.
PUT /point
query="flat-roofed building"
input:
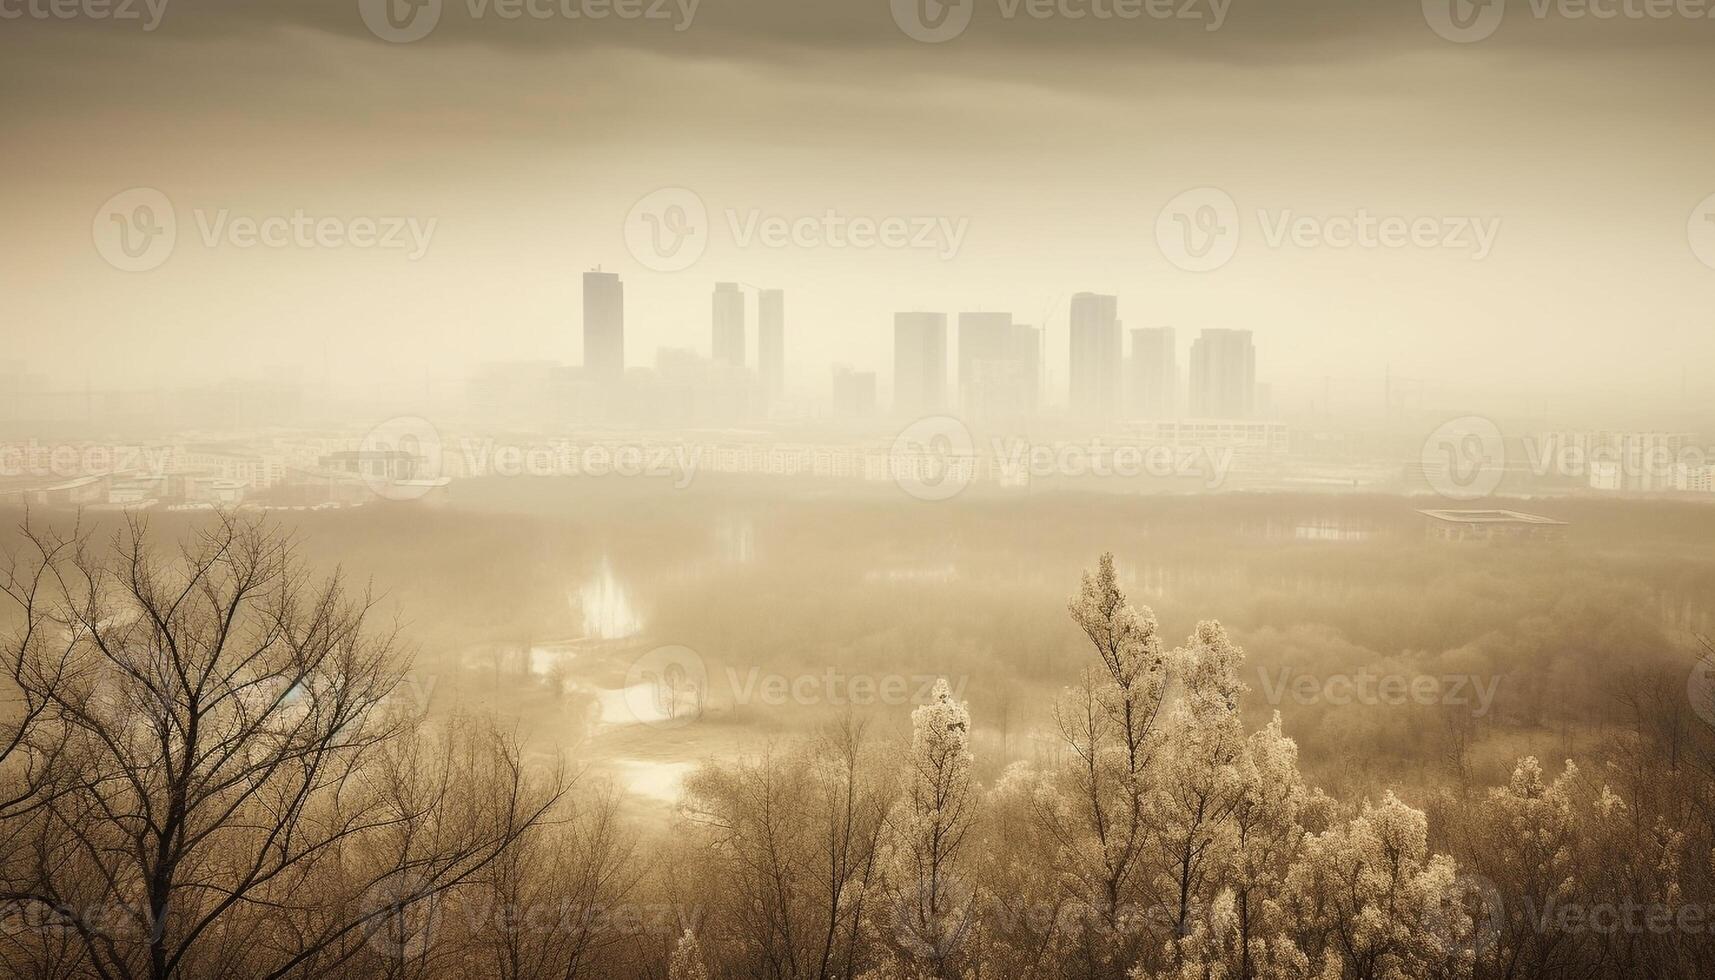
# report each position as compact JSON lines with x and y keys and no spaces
{"x":1491,"y":525}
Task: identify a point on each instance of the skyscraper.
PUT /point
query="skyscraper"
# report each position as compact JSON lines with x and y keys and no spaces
{"x":919,"y":363}
{"x":728,"y":347}
{"x":1097,"y":352}
{"x":1223,"y":374}
{"x":1154,"y":373}
{"x":854,"y":392}
{"x":998,"y":362}
{"x":604,"y":325}
{"x":771,"y":341}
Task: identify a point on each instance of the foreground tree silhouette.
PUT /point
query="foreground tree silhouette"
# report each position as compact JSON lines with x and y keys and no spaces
{"x":231,"y":791}
{"x":1100,"y":820}
{"x":934,"y":911}
{"x":785,"y":851}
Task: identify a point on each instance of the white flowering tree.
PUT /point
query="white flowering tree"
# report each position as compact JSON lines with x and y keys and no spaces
{"x":1239,"y":934}
{"x":1367,"y":899}
{"x":931,"y":897}
{"x":687,"y":962}
{"x":1202,"y":778}
{"x":1110,"y":725}
{"x":1530,"y":829}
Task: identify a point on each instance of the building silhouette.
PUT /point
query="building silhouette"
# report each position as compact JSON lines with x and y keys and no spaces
{"x":999,"y":365}
{"x":604,"y":325}
{"x":771,"y":341}
{"x":919,"y":363}
{"x":728,"y":310}
{"x":1154,"y":389}
{"x":1223,"y":374}
{"x":1096,"y":362}
{"x":854,"y":392}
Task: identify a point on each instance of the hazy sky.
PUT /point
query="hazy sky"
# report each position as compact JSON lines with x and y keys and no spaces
{"x":1051,"y":143}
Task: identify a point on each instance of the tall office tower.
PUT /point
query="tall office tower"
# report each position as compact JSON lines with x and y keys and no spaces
{"x":998,"y":366}
{"x":604,"y":325}
{"x":1223,"y":374}
{"x":1154,"y":373}
{"x":1027,"y":361}
{"x":919,"y":363}
{"x":728,"y":347}
{"x":771,"y":341}
{"x":854,"y":392}
{"x":1097,"y":351}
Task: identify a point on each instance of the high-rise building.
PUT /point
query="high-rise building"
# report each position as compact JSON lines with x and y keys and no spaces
{"x":604,"y":325}
{"x":687,"y":389}
{"x":728,"y":346}
{"x":1097,"y":356}
{"x":998,"y":366}
{"x":919,"y":363}
{"x":1154,"y":373}
{"x":1223,"y":374}
{"x":854,"y":392}
{"x":1027,"y":360}
{"x":771,"y":341}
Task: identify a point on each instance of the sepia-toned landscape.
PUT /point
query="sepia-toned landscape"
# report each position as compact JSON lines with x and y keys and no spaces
{"x":776,"y":734}
{"x":857,"y":490}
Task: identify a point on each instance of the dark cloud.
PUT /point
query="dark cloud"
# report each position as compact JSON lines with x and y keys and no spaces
{"x":1248,"y":30}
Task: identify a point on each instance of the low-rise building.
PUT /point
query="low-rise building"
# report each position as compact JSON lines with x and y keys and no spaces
{"x":1491,"y":525}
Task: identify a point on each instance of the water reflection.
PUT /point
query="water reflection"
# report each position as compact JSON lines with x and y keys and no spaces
{"x":736,"y":540}
{"x":608,"y":613}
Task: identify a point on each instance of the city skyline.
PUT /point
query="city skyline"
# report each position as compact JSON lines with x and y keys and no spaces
{"x":997,"y":374}
{"x":900,"y":129}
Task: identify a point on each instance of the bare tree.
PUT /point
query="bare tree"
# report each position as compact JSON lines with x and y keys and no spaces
{"x":232,"y":793}
{"x":791,"y":842}
{"x":37,"y":657}
{"x":548,"y":908}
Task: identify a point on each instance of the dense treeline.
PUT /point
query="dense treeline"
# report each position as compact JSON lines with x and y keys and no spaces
{"x":207,"y":773}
